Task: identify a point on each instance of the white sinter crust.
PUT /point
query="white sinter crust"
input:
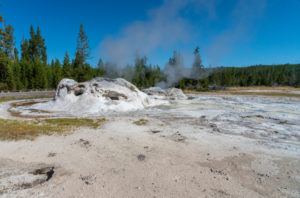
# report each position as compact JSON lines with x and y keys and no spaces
{"x":98,"y":95}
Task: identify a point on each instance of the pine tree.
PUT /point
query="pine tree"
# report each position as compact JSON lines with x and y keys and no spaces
{"x":2,"y":34}
{"x":101,"y":67}
{"x":173,"y":60}
{"x":10,"y":79}
{"x":40,"y":74}
{"x":197,"y":65}
{"x":26,"y":65}
{"x":83,"y":49}
{"x":4,"y":71}
{"x":37,"y":48}
{"x":50,"y":74}
{"x":17,"y":70}
{"x":7,"y":77}
{"x":32,"y":47}
{"x":9,"y":42}
{"x":40,"y":45}
{"x":81,"y":55}
{"x":67,"y":68}
{"x":25,"y":50}
{"x":57,"y":73}
{"x":16,"y":54}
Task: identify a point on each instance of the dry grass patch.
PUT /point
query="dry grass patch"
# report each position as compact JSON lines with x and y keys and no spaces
{"x":75,"y":122}
{"x":141,"y":122}
{"x":30,"y":129}
{"x":5,"y":99}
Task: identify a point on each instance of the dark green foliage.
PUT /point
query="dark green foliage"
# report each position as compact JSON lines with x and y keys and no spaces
{"x":284,"y":75}
{"x":8,"y":42}
{"x":145,"y":75}
{"x":67,"y":67}
{"x":16,"y":71}
{"x":194,"y":84}
{"x":56,"y":72}
{"x":83,"y":49}
{"x":4,"y":71}
{"x":82,"y":69}
{"x":39,"y":74}
{"x":260,"y":75}
{"x":7,"y":57}
{"x":25,"y":50}
{"x":36,"y":47}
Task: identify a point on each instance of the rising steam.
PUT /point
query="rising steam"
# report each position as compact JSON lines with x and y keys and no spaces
{"x":166,"y":27}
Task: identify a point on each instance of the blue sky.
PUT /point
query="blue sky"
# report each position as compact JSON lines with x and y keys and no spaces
{"x":229,"y":32}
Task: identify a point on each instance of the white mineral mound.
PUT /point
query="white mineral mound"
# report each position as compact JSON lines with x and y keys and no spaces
{"x":168,"y":94}
{"x":96,"y":96}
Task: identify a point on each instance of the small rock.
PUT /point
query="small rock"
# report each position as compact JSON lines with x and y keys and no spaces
{"x":178,"y":137}
{"x":51,"y":154}
{"x":155,"y":131}
{"x":141,"y":157}
{"x":88,"y":180}
{"x":84,"y":143}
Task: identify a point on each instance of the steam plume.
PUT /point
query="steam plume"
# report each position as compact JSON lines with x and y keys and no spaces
{"x":164,"y":28}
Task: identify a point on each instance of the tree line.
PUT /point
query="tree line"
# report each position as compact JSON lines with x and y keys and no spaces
{"x":30,"y":69}
{"x":258,"y":75}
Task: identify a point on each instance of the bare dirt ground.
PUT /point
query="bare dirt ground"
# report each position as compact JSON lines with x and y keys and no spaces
{"x":209,"y":149}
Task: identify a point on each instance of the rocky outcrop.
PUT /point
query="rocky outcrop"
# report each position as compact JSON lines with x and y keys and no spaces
{"x":97,"y":95}
{"x":64,"y":87}
{"x":176,"y":94}
{"x":169,"y":94}
{"x":101,"y":95}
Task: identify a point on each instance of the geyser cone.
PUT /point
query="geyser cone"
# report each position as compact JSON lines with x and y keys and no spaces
{"x":97,"y":95}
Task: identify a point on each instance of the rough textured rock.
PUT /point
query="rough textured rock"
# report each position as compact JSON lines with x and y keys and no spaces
{"x":175,"y":94}
{"x":102,"y":95}
{"x":18,"y":176}
{"x":97,"y":95}
{"x":171,"y":93}
{"x":155,"y":91}
{"x":64,"y":87}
